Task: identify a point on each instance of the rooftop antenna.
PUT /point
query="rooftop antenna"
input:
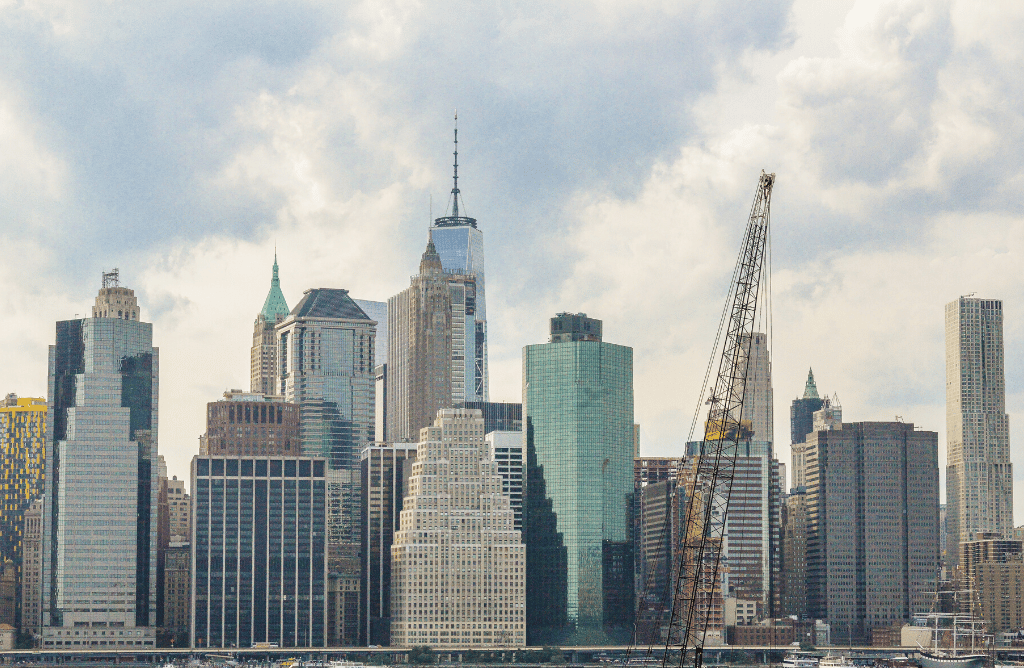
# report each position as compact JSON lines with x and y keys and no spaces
{"x":455,"y":188}
{"x":111,"y":279}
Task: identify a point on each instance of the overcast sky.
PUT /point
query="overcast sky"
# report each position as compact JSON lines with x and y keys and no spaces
{"x":609,"y":149}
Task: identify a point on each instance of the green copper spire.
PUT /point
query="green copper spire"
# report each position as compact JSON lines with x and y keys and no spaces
{"x":275,"y":305}
{"x":810,"y":389}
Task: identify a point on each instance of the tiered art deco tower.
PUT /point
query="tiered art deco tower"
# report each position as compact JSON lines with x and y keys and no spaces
{"x":458,"y":563}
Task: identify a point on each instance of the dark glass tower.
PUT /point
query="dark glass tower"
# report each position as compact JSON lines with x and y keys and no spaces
{"x":578,"y":409}
{"x":100,"y":498}
{"x":801,"y":411}
{"x":258,"y":548}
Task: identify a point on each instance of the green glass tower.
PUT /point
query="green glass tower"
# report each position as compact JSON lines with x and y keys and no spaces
{"x":578,"y":417}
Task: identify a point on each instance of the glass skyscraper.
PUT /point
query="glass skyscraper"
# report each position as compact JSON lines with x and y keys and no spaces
{"x":578,"y":410}
{"x":258,"y":549}
{"x":100,"y":494}
{"x":326,"y":365}
{"x":460,"y":243}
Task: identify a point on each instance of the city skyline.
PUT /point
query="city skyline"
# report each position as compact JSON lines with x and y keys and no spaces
{"x":884,"y":233}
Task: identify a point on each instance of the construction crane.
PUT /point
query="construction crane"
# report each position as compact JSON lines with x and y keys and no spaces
{"x":711,"y":479}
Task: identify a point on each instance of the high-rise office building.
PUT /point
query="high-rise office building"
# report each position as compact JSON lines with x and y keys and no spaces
{"x":419,"y":378}
{"x":794,"y":554}
{"x":249,"y":423}
{"x":758,"y":402}
{"x":177,"y":595}
{"x":662,"y":506}
{"x":326,"y":353}
{"x":751,"y":556}
{"x":23,"y":454}
{"x":979,"y":475}
{"x":179,"y":511}
{"x":505,"y":448}
{"x":263,"y":355}
{"x":801,"y":411}
{"x":994,"y":569}
{"x":826,"y":418}
{"x":649,"y":470}
{"x":873,"y":526}
{"x":100,"y":500}
{"x":258,"y":547}
{"x":458,"y":562}
{"x":378,"y":311}
{"x":460,"y":246}
{"x":32,"y":570}
{"x":578,"y":410}
{"x":498,"y":416}
{"x":385,"y":472}
{"x":8,"y":593}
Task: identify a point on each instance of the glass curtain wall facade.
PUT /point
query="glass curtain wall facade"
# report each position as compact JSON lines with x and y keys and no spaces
{"x":578,"y":410}
{"x":258,"y":548}
{"x":100,"y":499}
{"x":385,"y":472}
{"x":461,"y":246}
{"x":326,"y":366}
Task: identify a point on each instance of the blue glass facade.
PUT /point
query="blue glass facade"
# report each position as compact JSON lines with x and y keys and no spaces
{"x":461,"y":246}
{"x":326,"y":351}
{"x":578,"y":410}
{"x":258,"y":551}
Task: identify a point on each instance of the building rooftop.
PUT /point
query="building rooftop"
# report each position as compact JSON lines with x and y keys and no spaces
{"x":275,"y":304}
{"x":328,"y":303}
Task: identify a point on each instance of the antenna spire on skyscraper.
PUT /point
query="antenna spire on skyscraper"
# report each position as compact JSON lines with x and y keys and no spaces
{"x":455,"y":188}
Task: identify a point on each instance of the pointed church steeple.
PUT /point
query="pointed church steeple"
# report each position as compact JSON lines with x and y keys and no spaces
{"x":275,"y":304}
{"x":810,"y":389}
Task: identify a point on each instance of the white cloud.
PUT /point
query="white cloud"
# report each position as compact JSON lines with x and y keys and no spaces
{"x":610,"y":151}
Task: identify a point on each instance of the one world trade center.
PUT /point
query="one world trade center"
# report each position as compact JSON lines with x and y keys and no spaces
{"x":460,"y":243}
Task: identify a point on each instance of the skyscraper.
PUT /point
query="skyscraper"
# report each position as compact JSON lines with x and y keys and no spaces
{"x":758,"y":401}
{"x":263,"y":355}
{"x":325,"y":365}
{"x":458,"y":563}
{"x":100,"y":501}
{"x":979,"y":475}
{"x":505,"y":448}
{"x":578,"y":410}
{"x":32,"y":569}
{"x":385,"y":472}
{"x":23,"y":455}
{"x":801,"y":411}
{"x":258,"y":549}
{"x":872,"y":526}
{"x":751,"y":553}
{"x":420,"y":350}
{"x":378,"y":311}
{"x":794,"y":554}
{"x":248,"y":423}
{"x":460,"y":245}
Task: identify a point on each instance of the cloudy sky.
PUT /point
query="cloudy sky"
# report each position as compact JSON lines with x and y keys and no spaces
{"x":609,"y":149}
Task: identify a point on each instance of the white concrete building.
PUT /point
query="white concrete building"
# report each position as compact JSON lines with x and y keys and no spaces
{"x":458,"y":563}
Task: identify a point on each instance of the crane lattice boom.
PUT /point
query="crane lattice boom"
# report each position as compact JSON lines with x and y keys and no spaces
{"x":710,"y":484}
